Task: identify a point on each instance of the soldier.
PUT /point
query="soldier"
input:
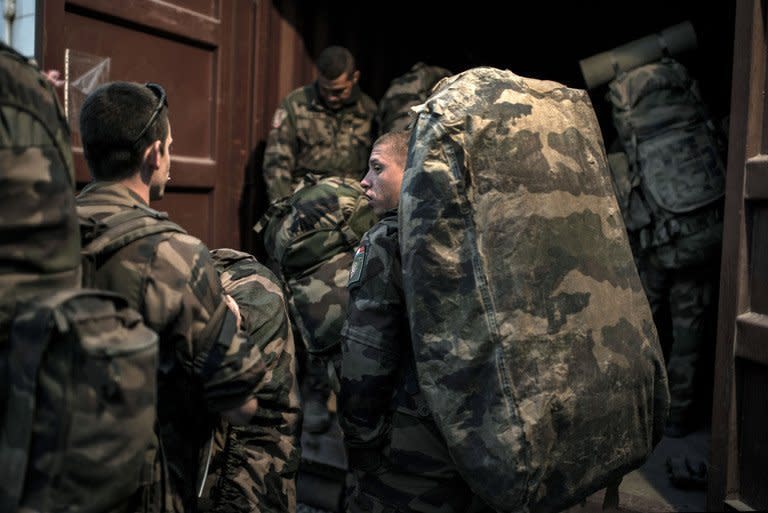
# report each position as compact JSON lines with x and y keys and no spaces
{"x":326,"y":127}
{"x":668,"y":167}
{"x":397,"y":456}
{"x":405,"y":91}
{"x":255,"y":466}
{"x":684,"y":306}
{"x":208,"y":368}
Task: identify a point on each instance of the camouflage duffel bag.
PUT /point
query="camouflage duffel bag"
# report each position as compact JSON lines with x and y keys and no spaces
{"x":534,"y":342}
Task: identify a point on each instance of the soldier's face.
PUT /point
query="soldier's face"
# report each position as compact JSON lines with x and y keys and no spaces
{"x":383,"y":180}
{"x":162,"y":174}
{"x":337,"y":91}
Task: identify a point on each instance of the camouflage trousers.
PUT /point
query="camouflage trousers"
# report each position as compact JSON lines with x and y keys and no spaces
{"x":684,"y":306}
{"x":417,"y":475}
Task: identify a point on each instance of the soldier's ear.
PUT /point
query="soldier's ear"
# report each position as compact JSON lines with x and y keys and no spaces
{"x":355,"y":76}
{"x":152,"y":154}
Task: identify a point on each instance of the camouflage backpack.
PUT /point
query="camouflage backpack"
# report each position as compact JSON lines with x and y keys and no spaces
{"x":405,"y":91}
{"x":671,"y":189}
{"x":310,"y":237}
{"x":254,"y":467}
{"x":77,"y":365}
{"x":533,"y":339}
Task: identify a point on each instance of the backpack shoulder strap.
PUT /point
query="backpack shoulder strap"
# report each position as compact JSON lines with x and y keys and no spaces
{"x":117,"y":231}
{"x":120,"y":229}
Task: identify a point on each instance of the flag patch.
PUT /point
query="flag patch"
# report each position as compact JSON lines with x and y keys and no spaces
{"x":358,"y":262}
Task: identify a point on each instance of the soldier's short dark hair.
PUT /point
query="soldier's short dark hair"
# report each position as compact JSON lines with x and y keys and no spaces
{"x":335,"y":60}
{"x":111,"y":119}
{"x":398,"y":142}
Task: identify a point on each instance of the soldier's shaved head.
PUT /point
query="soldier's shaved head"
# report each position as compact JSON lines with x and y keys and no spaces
{"x":398,"y":144}
{"x":334,"y":61}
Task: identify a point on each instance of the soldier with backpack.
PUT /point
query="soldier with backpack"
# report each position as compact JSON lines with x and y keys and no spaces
{"x":669,"y":176}
{"x":396,"y":452}
{"x":208,"y":368}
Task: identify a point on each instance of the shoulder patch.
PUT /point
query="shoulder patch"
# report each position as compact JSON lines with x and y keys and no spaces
{"x":279,"y":117}
{"x":358,"y":263}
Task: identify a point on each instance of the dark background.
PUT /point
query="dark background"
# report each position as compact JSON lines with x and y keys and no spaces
{"x":539,"y":39}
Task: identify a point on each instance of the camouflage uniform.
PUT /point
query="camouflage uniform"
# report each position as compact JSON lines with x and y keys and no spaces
{"x":306,"y":135}
{"x":206,"y":365}
{"x":669,"y":174}
{"x":404,"y":92}
{"x":40,"y":248}
{"x":395,"y":450}
{"x":254,"y":468}
{"x":684,"y":306}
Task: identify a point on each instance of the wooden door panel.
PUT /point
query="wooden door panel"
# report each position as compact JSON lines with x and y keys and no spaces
{"x":753,"y":419}
{"x":187,"y":47}
{"x":195,"y":20}
{"x":189,"y":208}
{"x":191,"y":102}
{"x":738,"y":478}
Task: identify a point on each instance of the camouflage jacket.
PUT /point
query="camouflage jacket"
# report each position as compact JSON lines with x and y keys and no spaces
{"x":206,"y":364}
{"x":307,"y":136}
{"x":377,"y":370}
{"x":254,"y":469}
{"x":405,"y":91}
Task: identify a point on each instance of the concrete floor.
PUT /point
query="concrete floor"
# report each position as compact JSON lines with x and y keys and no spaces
{"x":648,"y":489}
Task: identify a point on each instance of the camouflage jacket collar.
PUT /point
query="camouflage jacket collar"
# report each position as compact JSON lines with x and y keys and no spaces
{"x":114,"y":193}
{"x":392,"y":212}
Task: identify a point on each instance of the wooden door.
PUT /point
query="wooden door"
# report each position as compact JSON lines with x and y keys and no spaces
{"x":201,"y":51}
{"x":739,"y":451}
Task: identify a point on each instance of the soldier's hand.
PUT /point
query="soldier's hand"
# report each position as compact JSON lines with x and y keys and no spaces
{"x":54,"y":77}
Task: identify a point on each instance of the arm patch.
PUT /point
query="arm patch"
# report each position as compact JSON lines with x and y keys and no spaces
{"x":279,"y":117}
{"x":358,"y":264}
